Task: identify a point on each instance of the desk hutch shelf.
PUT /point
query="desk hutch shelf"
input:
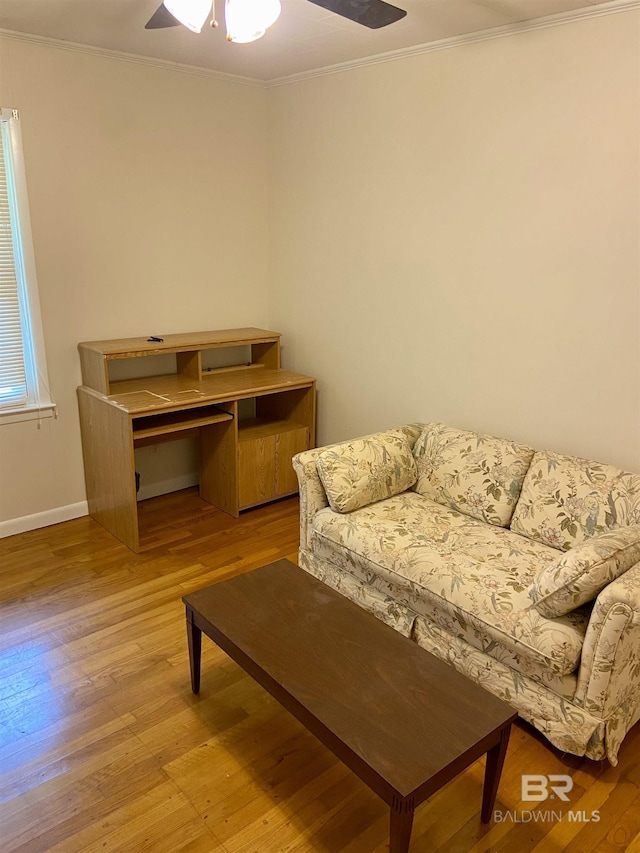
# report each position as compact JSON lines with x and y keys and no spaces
{"x":250,"y":418}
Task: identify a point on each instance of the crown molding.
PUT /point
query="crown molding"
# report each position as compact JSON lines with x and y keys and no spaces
{"x":596,"y":11}
{"x":106,"y":53}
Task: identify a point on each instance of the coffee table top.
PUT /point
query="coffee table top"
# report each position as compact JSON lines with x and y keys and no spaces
{"x":403,"y":720}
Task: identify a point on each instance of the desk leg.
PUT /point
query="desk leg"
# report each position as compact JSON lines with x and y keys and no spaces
{"x":401,"y":823}
{"x":493,"y":769}
{"x":194,"y":638}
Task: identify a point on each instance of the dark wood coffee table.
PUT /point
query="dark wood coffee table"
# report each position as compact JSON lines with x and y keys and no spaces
{"x":402,"y":720}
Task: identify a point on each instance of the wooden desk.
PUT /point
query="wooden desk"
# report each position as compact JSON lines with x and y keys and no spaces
{"x":243,"y":461}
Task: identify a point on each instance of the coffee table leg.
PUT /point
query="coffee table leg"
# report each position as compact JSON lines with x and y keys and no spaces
{"x":194,"y":638}
{"x":401,"y":823}
{"x":493,"y":769}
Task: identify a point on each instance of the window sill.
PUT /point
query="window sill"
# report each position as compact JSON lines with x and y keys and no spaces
{"x":27,"y":413}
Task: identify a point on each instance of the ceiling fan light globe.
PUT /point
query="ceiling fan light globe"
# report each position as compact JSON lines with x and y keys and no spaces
{"x":270,"y":11}
{"x":191,"y":13}
{"x":245,"y":38}
{"x":247,"y":20}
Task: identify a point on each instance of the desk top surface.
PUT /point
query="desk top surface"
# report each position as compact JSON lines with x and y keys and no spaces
{"x":166,"y":393}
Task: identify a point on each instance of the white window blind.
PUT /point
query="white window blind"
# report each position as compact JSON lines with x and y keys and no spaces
{"x":23,"y":376}
{"x":13,"y":380}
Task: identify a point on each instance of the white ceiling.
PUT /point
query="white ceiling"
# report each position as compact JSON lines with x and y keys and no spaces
{"x":306,"y":37}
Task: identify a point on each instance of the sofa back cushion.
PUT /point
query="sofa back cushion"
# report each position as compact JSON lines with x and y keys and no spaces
{"x":566,"y":499}
{"x":476,"y":474}
{"x":579,"y":575}
{"x":365,"y":470}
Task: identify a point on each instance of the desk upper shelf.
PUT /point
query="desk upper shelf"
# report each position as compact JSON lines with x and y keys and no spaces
{"x":186,"y":342}
{"x":95,"y":356}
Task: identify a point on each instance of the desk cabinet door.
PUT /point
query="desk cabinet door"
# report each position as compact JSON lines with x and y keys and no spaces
{"x":256,"y":470}
{"x":265,"y":471}
{"x":287,"y":445}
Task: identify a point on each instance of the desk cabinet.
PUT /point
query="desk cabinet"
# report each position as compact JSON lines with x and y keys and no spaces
{"x":264,"y":461}
{"x":245,"y":460}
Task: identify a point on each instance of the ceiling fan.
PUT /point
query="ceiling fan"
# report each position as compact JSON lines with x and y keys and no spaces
{"x":247,"y":20}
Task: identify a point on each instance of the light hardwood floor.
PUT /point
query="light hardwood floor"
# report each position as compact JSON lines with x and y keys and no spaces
{"x":103,"y":747}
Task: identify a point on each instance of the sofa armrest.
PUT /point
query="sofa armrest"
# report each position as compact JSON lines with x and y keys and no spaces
{"x":610,"y":668}
{"x":312,"y":494}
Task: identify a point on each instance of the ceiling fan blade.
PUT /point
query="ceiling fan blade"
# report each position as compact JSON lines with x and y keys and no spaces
{"x":370,"y":13}
{"x":161,"y":18}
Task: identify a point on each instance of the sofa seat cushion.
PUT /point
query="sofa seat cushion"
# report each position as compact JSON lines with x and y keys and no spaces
{"x":359,"y":472}
{"x":436,"y":560}
{"x":476,"y":474}
{"x":566,"y":499}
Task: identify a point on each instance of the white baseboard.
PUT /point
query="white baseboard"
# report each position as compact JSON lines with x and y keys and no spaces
{"x":163,"y":487}
{"x":43,"y":519}
{"x":66,"y":513}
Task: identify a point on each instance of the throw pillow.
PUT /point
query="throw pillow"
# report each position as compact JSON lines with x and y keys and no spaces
{"x":566,"y":500}
{"x":476,"y":474}
{"x":579,"y":575}
{"x":365,"y":470}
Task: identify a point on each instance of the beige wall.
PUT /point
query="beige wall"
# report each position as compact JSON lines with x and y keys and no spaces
{"x":148,"y":193}
{"x":455,"y":237}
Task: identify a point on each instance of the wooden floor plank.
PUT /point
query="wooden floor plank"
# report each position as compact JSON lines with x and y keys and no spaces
{"x":103,"y":747}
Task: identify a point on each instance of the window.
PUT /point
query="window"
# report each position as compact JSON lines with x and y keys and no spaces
{"x":24,"y":389}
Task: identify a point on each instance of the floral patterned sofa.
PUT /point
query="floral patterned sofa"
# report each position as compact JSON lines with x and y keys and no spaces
{"x":521,"y":568}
